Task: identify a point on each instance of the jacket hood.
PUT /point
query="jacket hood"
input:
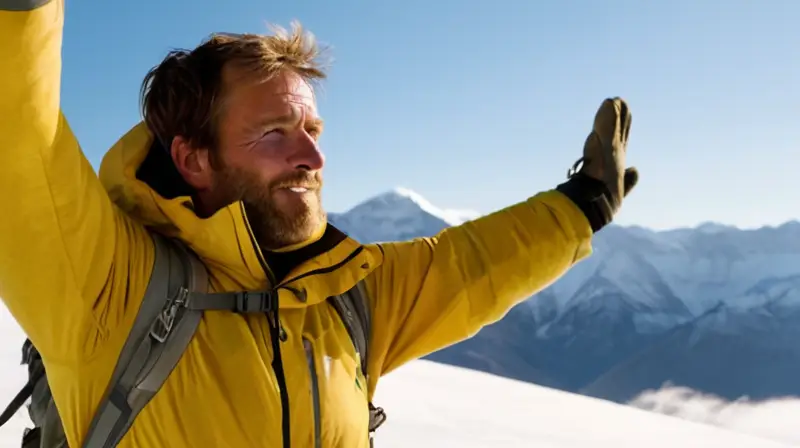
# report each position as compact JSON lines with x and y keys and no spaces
{"x":142,"y":181}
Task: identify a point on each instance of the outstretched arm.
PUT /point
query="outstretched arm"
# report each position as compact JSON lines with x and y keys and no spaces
{"x":433,"y":292}
{"x":59,"y":233}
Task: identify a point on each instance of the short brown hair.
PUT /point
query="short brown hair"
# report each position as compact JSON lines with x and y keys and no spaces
{"x":181,"y":96}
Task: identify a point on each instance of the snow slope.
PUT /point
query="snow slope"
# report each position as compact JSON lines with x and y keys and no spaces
{"x":432,"y":405}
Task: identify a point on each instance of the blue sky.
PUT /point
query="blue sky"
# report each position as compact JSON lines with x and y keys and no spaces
{"x":480,"y":104}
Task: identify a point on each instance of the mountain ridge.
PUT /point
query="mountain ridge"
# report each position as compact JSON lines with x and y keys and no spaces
{"x":472,"y":214}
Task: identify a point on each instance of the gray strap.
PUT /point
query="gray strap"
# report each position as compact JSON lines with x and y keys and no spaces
{"x":160,"y":334}
{"x":52,"y":430}
{"x":238,"y":302}
{"x":353,"y":308}
{"x":362,"y":313}
{"x":377,"y":416}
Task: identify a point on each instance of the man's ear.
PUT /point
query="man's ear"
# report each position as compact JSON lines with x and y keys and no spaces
{"x":193,"y":164}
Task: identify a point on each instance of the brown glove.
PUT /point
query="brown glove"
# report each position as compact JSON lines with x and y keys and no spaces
{"x":599,"y":180}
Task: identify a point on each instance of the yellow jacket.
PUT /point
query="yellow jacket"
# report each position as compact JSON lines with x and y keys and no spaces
{"x":75,"y":257}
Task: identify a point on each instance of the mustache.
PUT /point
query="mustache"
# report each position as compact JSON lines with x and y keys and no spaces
{"x":299,"y":179}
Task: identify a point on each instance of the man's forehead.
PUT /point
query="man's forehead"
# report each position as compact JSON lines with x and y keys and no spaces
{"x":293,"y":91}
{"x":286,"y":87}
{"x":282,"y":104}
{"x":277,"y":101}
{"x":288,"y":94}
{"x":291,"y":84}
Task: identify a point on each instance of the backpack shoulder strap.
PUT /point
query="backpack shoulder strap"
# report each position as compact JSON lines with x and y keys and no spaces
{"x":353,"y":308}
{"x":160,"y":334}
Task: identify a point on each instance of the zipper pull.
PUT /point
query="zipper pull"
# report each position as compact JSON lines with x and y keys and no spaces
{"x":282,"y":333}
{"x":275,"y":323}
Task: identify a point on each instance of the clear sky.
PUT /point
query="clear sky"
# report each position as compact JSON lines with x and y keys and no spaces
{"x":477,"y":105}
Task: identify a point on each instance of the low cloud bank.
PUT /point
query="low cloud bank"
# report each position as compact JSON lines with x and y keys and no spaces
{"x":776,"y":419}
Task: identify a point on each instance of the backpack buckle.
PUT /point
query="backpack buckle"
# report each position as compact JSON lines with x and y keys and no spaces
{"x":377,"y":416}
{"x":165,"y":320}
{"x":29,"y":352}
{"x":255,"y":302}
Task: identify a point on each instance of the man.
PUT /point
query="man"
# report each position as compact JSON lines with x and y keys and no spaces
{"x":227,"y":161}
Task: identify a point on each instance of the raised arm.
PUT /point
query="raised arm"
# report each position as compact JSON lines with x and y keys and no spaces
{"x":59,"y":233}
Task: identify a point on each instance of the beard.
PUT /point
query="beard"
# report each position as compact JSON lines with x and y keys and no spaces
{"x":276,"y":223}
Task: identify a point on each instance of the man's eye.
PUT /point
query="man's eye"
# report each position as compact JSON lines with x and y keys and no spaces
{"x":273,"y":133}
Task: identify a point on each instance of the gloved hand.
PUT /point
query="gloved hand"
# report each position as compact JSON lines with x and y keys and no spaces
{"x":599,"y":181}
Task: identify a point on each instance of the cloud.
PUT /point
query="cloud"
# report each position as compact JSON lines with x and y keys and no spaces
{"x":774,"y":419}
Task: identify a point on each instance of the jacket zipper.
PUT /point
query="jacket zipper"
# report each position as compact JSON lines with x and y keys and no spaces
{"x":312,"y":370}
{"x":275,"y":335}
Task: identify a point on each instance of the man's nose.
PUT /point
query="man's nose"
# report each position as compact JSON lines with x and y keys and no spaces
{"x":307,"y":154}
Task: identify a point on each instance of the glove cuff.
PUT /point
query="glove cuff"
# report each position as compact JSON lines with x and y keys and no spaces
{"x":592,"y":197}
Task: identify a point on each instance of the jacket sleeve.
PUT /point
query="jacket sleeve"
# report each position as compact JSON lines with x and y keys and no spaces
{"x":430,"y":293}
{"x":59,"y":233}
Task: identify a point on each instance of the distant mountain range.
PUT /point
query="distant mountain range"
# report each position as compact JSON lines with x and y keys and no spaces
{"x":713,"y":308}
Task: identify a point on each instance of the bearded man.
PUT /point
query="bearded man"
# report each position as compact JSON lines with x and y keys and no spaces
{"x":227,"y":161}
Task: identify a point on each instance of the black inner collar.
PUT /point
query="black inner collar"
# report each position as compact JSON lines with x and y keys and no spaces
{"x":281,"y":263}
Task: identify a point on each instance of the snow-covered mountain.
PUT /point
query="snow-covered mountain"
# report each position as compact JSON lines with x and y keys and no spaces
{"x":714,"y":308}
{"x":397,"y":215}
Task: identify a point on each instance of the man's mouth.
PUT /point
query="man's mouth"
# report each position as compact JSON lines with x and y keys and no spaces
{"x":298,"y":188}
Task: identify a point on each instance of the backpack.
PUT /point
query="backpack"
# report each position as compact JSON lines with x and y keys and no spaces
{"x":172,"y":307}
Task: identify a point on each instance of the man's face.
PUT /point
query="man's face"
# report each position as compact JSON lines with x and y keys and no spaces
{"x":268,"y":156}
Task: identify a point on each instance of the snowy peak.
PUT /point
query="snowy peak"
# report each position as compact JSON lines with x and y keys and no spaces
{"x":397,"y":215}
{"x":401,"y":195}
{"x":714,"y":227}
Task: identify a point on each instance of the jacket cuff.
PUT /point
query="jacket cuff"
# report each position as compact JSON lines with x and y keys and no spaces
{"x":592,"y":197}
